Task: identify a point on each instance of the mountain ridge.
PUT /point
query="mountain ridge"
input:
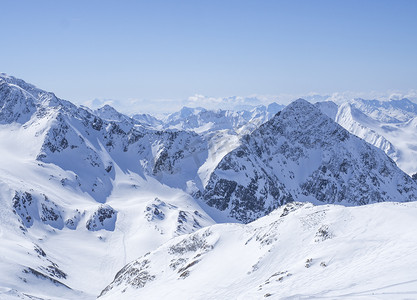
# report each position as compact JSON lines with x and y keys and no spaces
{"x":267,"y":170}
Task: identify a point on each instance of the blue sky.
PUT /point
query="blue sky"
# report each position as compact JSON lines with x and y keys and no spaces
{"x":145,"y":51}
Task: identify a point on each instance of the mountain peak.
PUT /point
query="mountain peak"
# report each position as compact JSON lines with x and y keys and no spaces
{"x":107,"y":109}
{"x":299,"y":115}
{"x":303,"y":155}
{"x":274,"y":107}
{"x":299,"y":104}
{"x":11,"y":80}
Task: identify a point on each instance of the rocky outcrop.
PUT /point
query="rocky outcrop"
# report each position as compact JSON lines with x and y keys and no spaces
{"x":103,"y":218}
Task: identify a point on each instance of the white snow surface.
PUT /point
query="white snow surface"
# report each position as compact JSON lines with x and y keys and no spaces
{"x":299,"y":251}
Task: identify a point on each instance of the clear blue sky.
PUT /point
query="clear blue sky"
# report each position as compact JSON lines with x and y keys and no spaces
{"x":86,"y":49}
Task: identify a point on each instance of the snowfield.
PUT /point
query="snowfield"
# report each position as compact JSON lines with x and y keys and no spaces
{"x":299,"y":251}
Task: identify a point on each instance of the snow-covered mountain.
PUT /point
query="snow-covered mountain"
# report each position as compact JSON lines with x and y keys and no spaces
{"x":303,"y":155}
{"x":393,"y":111}
{"x":148,"y":120}
{"x":202,"y":120}
{"x":221,"y":130}
{"x":299,"y":251}
{"x":388,"y":125}
{"x":83,"y":192}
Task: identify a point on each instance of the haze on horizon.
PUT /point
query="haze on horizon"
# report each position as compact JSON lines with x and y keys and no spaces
{"x":155,"y":55}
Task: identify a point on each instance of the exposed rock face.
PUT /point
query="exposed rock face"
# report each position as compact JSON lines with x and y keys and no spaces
{"x":31,"y":207}
{"x":51,"y":214}
{"x":103,"y":218}
{"x":155,"y":210}
{"x":183,"y":254}
{"x":301,"y":154}
{"x":15,"y":104}
{"x":25,"y":207}
{"x":73,"y":221}
{"x":170,"y":219}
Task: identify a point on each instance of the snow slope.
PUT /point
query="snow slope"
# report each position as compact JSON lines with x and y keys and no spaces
{"x":388,"y":125}
{"x":299,"y":251}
